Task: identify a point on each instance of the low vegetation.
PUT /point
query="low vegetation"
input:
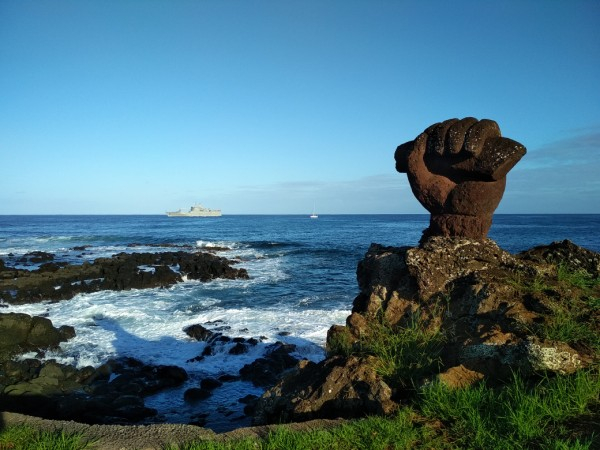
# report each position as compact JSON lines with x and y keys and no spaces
{"x":518,"y":415}
{"x":28,"y":438}
{"x":405,"y":353}
{"x":572,"y":300}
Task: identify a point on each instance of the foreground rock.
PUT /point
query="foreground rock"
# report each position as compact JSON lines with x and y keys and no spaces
{"x":337,"y":386}
{"x":481,"y":314}
{"x":123,"y":271}
{"x":112,"y":393}
{"x":21,"y":333}
{"x":115,"y":392}
{"x":484,"y":300}
{"x":266,"y":371}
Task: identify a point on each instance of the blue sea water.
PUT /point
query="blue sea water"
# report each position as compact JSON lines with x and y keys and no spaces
{"x":302,"y":281}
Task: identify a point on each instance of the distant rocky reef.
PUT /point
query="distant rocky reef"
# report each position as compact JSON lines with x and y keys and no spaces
{"x":62,"y":281}
{"x":114,"y":392}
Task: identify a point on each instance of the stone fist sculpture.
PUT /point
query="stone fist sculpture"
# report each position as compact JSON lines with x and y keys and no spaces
{"x":457,"y":170}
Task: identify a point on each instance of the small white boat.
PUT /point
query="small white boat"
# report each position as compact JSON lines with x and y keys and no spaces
{"x":314,"y":214}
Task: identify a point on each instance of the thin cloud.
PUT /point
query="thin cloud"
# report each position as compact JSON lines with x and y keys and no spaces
{"x":583,"y":148}
{"x":377,"y":193}
{"x":379,"y":181}
{"x":560,"y":177}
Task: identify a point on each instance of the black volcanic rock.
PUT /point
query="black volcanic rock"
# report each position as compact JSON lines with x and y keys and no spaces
{"x":112,"y":393}
{"x":267,"y":370}
{"x":53,"y":281}
{"x":23,"y":333}
{"x":567,"y":253}
{"x":36,"y":257}
{"x":199,"y":333}
{"x":195,"y":394}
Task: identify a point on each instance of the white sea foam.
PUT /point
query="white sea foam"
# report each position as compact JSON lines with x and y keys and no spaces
{"x":217,"y":244}
{"x":148,"y":324}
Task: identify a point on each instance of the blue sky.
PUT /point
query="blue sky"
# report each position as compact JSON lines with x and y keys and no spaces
{"x":271,"y":107}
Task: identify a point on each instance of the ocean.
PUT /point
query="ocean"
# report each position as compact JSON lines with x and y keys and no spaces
{"x":302,"y":281}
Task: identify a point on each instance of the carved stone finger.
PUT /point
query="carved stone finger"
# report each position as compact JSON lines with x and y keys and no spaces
{"x":455,"y":138}
{"x":437,"y":137}
{"x":478,"y":134}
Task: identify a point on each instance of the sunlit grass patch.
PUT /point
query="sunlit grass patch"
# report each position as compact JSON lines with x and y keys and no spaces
{"x":28,"y":438}
{"x":517,"y":416}
{"x":405,"y":353}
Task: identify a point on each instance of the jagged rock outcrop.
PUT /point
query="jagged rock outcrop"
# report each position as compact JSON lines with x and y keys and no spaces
{"x":22,"y":333}
{"x":52,"y":281}
{"x":481,"y":298}
{"x":457,"y":170}
{"x":267,"y":370}
{"x":490,"y":313}
{"x":337,"y":386}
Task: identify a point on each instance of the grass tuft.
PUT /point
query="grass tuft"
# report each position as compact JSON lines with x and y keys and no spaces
{"x":517,"y":416}
{"x":406,"y":353}
{"x":579,"y":278}
{"x":28,"y":438}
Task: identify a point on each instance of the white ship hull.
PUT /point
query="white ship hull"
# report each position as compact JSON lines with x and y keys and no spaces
{"x":196,"y":211}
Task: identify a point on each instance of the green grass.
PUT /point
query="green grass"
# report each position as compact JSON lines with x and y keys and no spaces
{"x":340,"y":343}
{"x":526,"y":284}
{"x":568,"y":324}
{"x":28,"y":438}
{"x":572,"y":299}
{"x":578,"y":278}
{"x":516,"y":416}
{"x":399,"y":432}
{"x":405,"y":353}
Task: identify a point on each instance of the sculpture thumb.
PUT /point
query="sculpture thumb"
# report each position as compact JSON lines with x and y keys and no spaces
{"x":430,"y":189}
{"x":499,"y":155}
{"x":401,"y":156}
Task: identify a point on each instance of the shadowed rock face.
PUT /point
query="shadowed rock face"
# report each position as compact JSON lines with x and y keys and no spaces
{"x":457,"y":170}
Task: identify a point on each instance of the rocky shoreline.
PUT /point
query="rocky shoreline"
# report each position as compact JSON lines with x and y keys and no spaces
{"x":51,"y":280}
{"x":477,"y":297}
{"x":113,"y":393}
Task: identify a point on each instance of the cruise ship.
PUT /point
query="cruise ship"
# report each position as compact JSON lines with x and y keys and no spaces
{"x":196,"y":211}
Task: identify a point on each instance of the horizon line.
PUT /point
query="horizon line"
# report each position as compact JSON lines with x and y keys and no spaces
{"x":288,"y":214}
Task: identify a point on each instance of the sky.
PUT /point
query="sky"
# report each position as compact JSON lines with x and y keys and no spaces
{"x":280,"y":106}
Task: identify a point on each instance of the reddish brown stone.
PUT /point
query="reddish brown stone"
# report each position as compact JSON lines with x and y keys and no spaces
{"x":457,"y":170}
